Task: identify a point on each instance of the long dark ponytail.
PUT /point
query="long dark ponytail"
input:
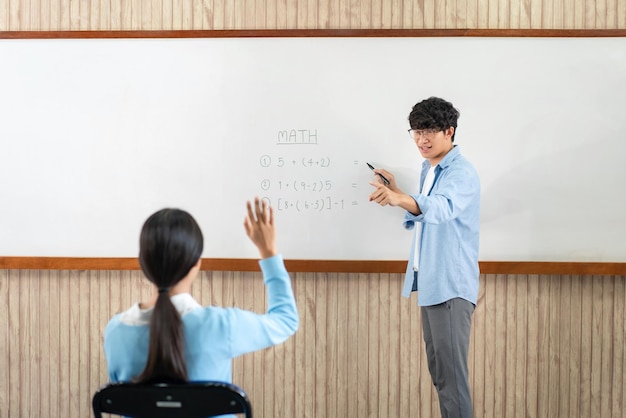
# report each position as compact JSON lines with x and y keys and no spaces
{"x":170,"y":245}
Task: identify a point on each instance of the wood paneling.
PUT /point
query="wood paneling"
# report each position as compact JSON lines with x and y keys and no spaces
{"x":40,"y":15}
{"x":543,"y":345}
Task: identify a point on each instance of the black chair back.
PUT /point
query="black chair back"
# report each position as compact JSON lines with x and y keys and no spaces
{"x":171,"y":400}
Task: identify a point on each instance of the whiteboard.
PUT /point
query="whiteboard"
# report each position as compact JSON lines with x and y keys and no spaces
{"x":96,"y":134}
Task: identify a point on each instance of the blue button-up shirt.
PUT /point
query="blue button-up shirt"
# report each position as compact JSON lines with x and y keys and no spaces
{"x":448,"y":256}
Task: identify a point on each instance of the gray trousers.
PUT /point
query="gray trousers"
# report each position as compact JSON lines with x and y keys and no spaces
{"x":446,"y":330}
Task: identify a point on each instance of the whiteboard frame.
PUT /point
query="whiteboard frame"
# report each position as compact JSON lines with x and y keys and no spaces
{"x":387,"y":266}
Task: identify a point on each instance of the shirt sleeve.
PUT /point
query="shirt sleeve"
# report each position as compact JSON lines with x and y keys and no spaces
{"x":110,"y":350}
{"x":455,"y":190}
{"x":251,"y":331}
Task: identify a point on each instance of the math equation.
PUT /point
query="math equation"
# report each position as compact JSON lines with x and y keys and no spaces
{"x":301,"y":174}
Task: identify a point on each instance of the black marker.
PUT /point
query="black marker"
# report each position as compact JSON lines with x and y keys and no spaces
{"x":384,"y":179}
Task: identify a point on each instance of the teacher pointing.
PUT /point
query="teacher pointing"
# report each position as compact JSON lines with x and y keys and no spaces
{"x":443,"y":262}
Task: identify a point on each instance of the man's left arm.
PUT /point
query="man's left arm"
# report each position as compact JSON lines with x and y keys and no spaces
{"x":455,"y":191}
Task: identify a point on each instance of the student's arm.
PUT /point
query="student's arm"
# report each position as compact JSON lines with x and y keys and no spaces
{"x":250,"y":331}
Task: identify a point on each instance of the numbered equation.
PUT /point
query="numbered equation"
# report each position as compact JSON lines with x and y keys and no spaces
{"x":311,"y":205}
{"x":299,"y":186}
{"x":267,"y":161}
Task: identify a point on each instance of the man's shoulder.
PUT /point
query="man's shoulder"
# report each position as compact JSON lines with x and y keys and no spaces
{"x":458,"y":161}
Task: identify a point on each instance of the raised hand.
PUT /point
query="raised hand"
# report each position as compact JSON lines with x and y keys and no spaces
{"x":259,"y":225}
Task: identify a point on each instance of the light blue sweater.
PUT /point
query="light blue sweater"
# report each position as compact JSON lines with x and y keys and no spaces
{"x":213,"y":335}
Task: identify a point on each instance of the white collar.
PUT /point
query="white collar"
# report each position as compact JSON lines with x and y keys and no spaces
{"x":183,"y":302}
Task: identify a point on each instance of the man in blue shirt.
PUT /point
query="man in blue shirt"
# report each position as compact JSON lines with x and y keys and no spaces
{"x":443,"y":262}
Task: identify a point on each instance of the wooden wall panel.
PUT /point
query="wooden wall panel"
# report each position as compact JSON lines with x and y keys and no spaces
{"x":541,"y":346}
{"x":302,"y":14}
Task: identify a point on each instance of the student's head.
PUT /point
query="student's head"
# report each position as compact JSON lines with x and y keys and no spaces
{"x":434,"y":113}
{"x":170,"y":246}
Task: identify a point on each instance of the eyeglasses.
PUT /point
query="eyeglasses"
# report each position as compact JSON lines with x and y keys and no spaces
{"x":425,"y":133}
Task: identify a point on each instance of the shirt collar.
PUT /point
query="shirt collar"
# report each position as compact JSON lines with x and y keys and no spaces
{"x":451,"y":155}
{"x":183,"y":302}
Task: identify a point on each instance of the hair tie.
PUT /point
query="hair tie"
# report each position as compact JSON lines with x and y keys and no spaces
{"x":164,"y":290}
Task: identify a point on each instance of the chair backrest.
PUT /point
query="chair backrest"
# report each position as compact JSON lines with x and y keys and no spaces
{"x":169,"y":400}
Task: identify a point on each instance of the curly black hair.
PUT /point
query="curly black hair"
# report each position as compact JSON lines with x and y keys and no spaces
{"x":434,"y":113}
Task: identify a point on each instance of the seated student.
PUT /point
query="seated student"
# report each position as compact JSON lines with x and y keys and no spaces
{"x":171,"y":337}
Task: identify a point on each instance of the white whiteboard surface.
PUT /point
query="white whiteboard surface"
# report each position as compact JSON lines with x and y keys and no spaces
{"x":96,"y":134}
